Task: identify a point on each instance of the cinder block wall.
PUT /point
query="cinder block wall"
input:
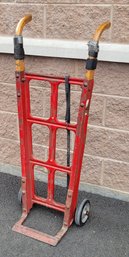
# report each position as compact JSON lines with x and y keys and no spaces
{"x":106,"y":159}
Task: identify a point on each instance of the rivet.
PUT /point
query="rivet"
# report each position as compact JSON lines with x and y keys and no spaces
{"x":82,"y":104}
{"x":18,"y":94}
{"x":23,"y":79}
{"x":85,"y":84}
{"x":17,"y":75}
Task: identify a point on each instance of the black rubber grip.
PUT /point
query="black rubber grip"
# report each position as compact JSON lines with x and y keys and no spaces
{"x":91,"y":64}
{"x":93,"y":53}
{"x":18,"y":49}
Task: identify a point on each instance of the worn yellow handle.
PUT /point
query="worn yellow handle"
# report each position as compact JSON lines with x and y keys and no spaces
{"x":20,"y":65}
{"x":106,"y":25}
{"x":22,"y":23}
{"x":100,"y":29}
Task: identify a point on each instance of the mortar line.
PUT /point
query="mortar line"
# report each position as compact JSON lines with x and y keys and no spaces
{"x":77,"y":4}
{"x":44,"y":21}
{"x":102,"y":173}
{"x":57,"y":4}
{"x":7,"y":112}
{"x":106,"y":159}
{"x":44,"y":101}
{"x":62,"y":4}
{"x":9,"y":139}
{"x":111,"y":96}
{"x":109,"y":129}
{"x":111,"y":17}
{"x":76,"y":68}
{"x":92,"y":156}
{"x":7,"y":83}
{"x":104,"y":112}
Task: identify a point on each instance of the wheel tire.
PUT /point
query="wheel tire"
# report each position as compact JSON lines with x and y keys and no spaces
{"x":82,"y":213}
{"x":20,"y":196}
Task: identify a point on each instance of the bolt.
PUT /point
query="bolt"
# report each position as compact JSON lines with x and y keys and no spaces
{"x":17,"y":75}
{"x":18,"y":94}
{"x":23,"y":79}
{"x":85,"y":84}
{"x":82,"y":104}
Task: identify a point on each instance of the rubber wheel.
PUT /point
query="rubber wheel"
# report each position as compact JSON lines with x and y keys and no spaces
{"x":82,"y":213}
{"x":20,"y":196}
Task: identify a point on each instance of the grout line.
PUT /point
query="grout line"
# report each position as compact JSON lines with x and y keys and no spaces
{"x":109,"y":129}
{"x":57,"y":4}
{"x":7,"y":112}
{"x":88,"y":155}
{"x":78,"y":4}
{"x":44,"y":100}
{"x":111,"y":17}
{"x":44,"y":21}
{"x":106,"y":159}
{"x":112,"y":96}
{"x":18,"y":3}
{"x":9,"y":139}
{"x":102,"y":173}
{"x":7,"y":83}
{"x":76,"y":67}
{"x":104,"y":112}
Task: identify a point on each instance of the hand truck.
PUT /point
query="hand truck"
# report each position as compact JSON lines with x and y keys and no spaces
{"x":71,"y":211}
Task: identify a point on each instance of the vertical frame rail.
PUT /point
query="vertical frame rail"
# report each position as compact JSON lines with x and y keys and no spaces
{"x":22,"y":87}
{"x":52,"y":139}
{"x":79,"y":145}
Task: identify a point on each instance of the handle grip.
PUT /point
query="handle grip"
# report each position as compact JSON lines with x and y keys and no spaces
{"x":100,"y":30}
{"x":93,"y":49}
{"x":18,"y":43}
{"x":21,"y":24}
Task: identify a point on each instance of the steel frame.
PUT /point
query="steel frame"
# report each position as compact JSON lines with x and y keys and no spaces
{"x":26,"y":120}
{"x":28,"y":162}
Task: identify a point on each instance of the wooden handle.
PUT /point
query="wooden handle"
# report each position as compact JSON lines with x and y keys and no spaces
{"x":100,"y":29}
{"x":22,"y":23}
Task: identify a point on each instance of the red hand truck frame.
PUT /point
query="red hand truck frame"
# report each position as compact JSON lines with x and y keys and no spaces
{"x":28,"y":162}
